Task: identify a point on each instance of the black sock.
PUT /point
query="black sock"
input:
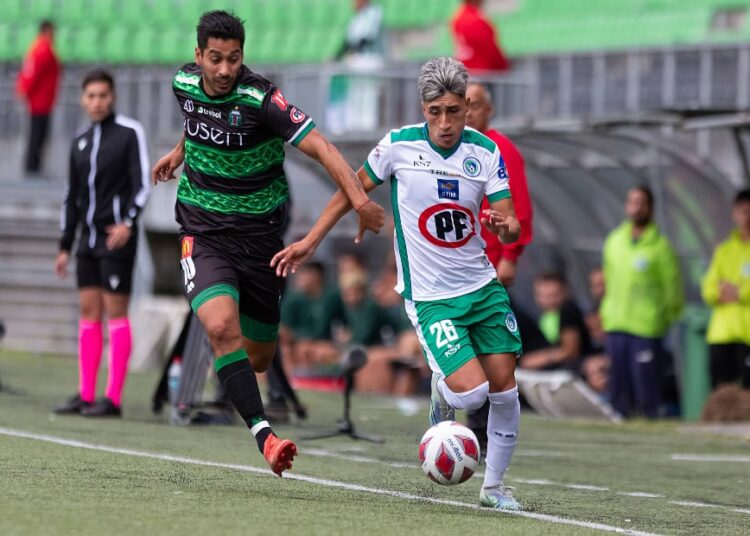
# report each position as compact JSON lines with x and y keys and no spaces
{"x":239,"y":381}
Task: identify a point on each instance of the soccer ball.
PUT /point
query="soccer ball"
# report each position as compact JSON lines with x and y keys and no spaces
{"x":449,"y":453}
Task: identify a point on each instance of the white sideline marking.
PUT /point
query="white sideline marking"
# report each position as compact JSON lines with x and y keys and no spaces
{"x":741,"y":510}
{"x":644,"y":494}
{"x":695,"y":504}
{"x":710,"y":458}
{"x":312,"y":480}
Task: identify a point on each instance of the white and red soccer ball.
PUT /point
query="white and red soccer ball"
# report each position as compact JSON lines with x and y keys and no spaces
{"x":449,"y":453}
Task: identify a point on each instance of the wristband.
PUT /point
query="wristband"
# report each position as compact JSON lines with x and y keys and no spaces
{"x":362,"y":205}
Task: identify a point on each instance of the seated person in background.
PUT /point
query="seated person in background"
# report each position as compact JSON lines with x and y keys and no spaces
{"x":595,"y":367}
{"x":308,"y":312}
{"x":562,"y":324}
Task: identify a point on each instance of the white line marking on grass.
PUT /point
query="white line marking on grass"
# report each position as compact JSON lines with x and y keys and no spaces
{"x":695,"y":504}
{"x":312,"y":480}
{"x":740,"y":510}
{"x":710,"y":458}
{"x":643,"y":494}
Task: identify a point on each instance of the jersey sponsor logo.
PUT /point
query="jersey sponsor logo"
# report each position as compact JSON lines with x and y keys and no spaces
{"x":279,"y":100}
{"x":296,"y":116}
{"x":82,"y":143}
{"x":471,"y":166}
{"x":447,"y":188}
{"x":422,"y":162}
{"x":209,"y":112}
{"x":511,"y":323}
{"x":255,"y":93}
{"x":502,"y":170}
{"x":188,"y":106}
{"x":202,"y":131}
{"x":447,"y":225}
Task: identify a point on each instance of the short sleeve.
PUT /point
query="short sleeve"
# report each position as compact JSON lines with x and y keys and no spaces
{"x":283,"y":118}
{"x":497,"y":184}
{"x":378,"y":163}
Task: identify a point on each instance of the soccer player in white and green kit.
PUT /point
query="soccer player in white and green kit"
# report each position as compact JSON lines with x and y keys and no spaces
{"x":439,"y":172}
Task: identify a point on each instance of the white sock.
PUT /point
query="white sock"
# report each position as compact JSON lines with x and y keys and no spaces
{"x":502,"y":435}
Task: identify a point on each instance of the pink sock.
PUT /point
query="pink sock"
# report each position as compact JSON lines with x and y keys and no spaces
{"x":119,"y":355}
{"x":89,"y":356}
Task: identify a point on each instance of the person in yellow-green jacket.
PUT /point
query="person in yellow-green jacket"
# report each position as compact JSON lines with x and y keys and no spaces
{"x":726,"y":289}
{"x":643,"y":297}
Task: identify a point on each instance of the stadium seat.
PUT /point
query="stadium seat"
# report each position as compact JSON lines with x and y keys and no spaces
{"x":38,"y":10}
{"x":115,"y":45}
{"x":7,"y":47}
{"x":88,"y":46}
{"x":65,"y":43}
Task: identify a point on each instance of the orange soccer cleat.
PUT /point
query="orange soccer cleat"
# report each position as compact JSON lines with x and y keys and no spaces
{"x":279,"y":453}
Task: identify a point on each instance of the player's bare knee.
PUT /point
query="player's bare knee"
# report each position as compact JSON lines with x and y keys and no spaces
{"x":222,"y":335}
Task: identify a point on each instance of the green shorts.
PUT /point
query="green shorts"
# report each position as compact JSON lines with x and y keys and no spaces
{"x":455,"y":330}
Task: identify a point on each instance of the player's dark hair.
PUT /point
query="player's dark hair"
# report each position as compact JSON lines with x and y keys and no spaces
{"x":743,"y":196}
{"x":98,"y":75}
{"x":647,"y":192}
{"x":550,"y":277}
{"x":219,"y":25}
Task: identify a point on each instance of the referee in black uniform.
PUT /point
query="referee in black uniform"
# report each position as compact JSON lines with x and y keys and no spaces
{"x":107,"y":190}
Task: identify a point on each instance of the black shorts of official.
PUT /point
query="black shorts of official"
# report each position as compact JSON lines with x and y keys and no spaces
{"x":238,"y":267}
{"x":730,"y":363}
{"x":112,"y":274}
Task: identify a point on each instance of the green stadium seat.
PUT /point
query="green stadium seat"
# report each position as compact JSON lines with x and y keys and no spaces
{"x":25,"y":35}
{"x":38,"y":10}
{"x":7,"y":47}
{"x":65,"y":43}
{"x":103,"y":14}
{"x":115,"y":45}
{"x":141,"y":46}
{"x":88,"y":46}
{"x":72,"y":12}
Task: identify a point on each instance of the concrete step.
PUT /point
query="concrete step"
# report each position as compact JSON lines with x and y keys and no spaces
{"x":37,"y":312}
{"x":35,"y":280}
{"x":32,"y":295}
{"x":41,"y":345}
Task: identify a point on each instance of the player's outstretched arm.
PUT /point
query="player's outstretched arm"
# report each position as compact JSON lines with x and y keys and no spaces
{"x":371,"y":215}
{"x":165,"y":167}
{"x":500,"y":219}
{"x":291,"y":257}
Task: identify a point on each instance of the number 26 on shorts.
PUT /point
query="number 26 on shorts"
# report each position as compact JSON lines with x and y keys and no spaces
{"x":444,"y":332}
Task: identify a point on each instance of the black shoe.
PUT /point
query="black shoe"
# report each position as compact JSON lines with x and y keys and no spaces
{"x":103,"y":407}
{"x":74,"y":406}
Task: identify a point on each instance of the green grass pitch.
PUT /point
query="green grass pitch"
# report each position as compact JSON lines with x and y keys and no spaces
{"x":621,"y":476}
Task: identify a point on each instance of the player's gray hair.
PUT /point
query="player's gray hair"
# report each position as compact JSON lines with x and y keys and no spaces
{"x":440,"y":76}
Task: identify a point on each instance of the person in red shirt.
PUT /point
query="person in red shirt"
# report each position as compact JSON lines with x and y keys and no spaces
{"x":476,"y":43}
{"x":502,"y":256}
{"x":37,"y":86}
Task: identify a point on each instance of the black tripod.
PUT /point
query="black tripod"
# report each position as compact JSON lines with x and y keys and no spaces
{"x":353,"y":360}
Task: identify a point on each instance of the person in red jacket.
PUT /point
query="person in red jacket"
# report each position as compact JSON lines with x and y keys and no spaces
{"x":37,"y":86}
{"x":503,"y":256}
{"x":476,"y":41}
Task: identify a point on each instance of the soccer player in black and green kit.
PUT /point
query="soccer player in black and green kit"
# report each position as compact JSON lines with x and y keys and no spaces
{"x":231,"y":206}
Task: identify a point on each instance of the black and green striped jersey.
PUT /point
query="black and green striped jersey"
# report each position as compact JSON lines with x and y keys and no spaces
{"x":233,"y":180}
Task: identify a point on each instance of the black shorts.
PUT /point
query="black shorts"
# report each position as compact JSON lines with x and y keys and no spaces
{"x":113,"y":274}
{"x":237,"y":267}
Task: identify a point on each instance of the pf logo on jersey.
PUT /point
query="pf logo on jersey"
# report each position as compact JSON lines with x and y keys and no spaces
{"x":447,"y":225}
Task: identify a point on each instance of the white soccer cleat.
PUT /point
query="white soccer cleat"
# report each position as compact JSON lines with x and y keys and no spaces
{"x":440,"y":410}
{"x":499,"y":498}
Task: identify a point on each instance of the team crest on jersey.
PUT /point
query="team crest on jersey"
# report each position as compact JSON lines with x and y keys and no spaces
{"x":447,"y":188}
{"x":511,"y":323}
{"x":235,"y":118}
{"x":188,"y":106}
{"x":296,"y":116}
{"x":82,"y":143}
{"x":471,"y":166}
{"x":447,"y":225}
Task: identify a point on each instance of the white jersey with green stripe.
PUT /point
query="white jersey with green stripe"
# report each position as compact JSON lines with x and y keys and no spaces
{"x":436,"y":195}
